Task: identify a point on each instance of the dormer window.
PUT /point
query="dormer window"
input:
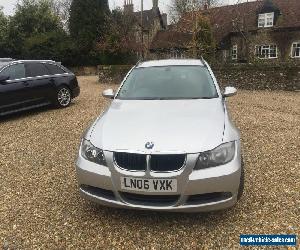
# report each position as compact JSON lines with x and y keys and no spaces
{"x":266,"y":20}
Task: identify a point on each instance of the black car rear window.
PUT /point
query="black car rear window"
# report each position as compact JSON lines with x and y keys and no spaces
{"x":36,"y":69}
{"x":54,"y":69}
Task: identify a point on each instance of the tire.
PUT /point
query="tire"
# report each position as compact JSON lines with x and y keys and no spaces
{"x":63,"y":97}
{"x":242,"y":181}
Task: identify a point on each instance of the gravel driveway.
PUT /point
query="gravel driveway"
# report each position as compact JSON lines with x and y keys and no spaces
{"x":40,"y":206}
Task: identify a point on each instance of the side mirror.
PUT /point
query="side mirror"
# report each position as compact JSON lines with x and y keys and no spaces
{"x":229,"y":91}
{"x":109,"y":93}
{"x":3,"y":79}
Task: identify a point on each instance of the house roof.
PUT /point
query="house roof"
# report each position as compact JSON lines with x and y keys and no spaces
{"x":148,"y":17}
{"x":166,"y":39}
{"x":232,"y":18}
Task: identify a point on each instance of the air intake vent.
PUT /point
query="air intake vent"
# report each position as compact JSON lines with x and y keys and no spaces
{"x":165,"y":163}
{"x":158,"y":163}
{"x":135,"y":162}
{"x":150,"y":200}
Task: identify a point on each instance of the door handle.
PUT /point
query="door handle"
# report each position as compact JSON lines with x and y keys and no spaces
{"x":26,"y":84}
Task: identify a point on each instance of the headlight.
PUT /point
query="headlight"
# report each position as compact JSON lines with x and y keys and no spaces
{"x":216,"y":157}
{"x":91,"y":153}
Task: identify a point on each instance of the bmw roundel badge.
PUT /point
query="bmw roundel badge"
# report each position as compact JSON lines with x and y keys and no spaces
{"x":149,"y":145}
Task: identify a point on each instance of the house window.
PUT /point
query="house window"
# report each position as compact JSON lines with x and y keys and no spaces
{"x":176,"y":54}
{"x":234,"y":52}
{"x":295,"y":50}
{"x":266,"y":51}
{"x":266,"y":20}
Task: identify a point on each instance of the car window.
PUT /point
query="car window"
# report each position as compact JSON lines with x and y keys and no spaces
{"x":54,"y":69}
{"x":16,"y":71}
{"x":170,"y":82}
{"x":36,"y":69}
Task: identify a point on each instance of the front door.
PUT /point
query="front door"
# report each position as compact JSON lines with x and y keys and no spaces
{"x":13,"y":92}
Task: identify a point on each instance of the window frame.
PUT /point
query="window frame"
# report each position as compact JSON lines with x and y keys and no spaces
{"x":176,"y":54}
{"x":27,"y":66}
{"x":234,"y":52}
{"x":13,"y":64}
{"x":297,"y":48}
{"x":268,"y":48}
{"x":264,"y":20}
{"x":56,"y":65}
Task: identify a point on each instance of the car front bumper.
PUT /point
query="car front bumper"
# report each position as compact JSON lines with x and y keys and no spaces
{"x":198,"y":191}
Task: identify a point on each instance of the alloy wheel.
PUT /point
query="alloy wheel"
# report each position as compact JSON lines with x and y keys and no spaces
{"x":64,"y":97}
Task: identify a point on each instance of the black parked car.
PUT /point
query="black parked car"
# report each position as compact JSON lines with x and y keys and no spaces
{"x":31,"y":84}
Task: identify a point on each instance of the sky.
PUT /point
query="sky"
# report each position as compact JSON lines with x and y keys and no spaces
{"x":163,"y":4}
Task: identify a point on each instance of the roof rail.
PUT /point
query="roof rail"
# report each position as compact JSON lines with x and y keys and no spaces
{"x":202,"y":59}
{"x":139,"y":62}
{"x":204,"y":62}
{"x":35,"y":60}
{"x":6,"y":59}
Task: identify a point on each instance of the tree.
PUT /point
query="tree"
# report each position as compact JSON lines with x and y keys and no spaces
{"x":3,"y":33}
{"x":203,"y":41}
{"x":121,"y":35}
{"x":62,"y":9}
{"x":179,"y":8}
{"x":3,"y":23}
{"x":35,"y":31}
{"x":34,"y":17}
{"x":119,"y":44}
{"x":87,"y":22}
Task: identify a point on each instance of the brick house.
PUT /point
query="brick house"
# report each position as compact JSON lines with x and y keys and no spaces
{"x":260,"y":31}
{"x":153,"y":21}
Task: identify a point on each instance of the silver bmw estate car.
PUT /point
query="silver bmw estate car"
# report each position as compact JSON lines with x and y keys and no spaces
{"x":165,"y":143}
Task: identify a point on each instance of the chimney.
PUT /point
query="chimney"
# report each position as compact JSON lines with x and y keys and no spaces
{"x":128,"y":6}
{"x":155,"y":4}
{"x":165,"y":19}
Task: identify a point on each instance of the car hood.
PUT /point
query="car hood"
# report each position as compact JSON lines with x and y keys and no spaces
{"x":173,"y":126}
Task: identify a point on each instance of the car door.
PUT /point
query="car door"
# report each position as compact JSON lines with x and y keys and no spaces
{"x":13,"y":92}
{"x":39,"y":80}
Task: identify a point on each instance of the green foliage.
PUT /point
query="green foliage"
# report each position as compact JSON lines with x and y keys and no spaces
{"x":203,"y":38}
{"x":3,"y":34}
{"x":120,"y":41}
{"x":33,"y":23}
{"x":51,"y":45}
{"x":87,"y":21}
{"x":3,"y":23}
{"x":34,"y":17}
{"x":38,"y":30}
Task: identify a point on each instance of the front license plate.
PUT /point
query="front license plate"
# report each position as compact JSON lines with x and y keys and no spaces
{"x":149,"y":185}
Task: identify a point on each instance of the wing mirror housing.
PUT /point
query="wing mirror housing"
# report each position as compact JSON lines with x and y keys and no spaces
{"x":3,"y":79}
{"x":109,"y":93}
{"x":229,"y":91}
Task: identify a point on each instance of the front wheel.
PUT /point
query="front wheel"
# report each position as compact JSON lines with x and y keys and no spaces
{"x":63,"y":97}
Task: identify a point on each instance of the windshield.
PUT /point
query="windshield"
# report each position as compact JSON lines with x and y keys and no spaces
{"x":169,"y":82}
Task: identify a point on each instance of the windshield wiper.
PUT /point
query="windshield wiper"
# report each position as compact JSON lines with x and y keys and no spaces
{"x":204,"y":97}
